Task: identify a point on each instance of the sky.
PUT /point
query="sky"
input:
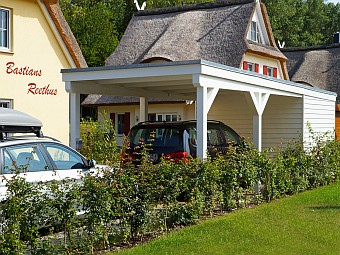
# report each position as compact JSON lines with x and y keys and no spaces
{"x":333,"y":1}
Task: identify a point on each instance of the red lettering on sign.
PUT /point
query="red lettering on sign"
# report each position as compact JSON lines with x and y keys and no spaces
{"x":12,"y":69}
{"x":34,"y":90}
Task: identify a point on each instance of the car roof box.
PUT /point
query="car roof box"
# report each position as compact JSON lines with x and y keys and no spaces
{"x":12,"y":121}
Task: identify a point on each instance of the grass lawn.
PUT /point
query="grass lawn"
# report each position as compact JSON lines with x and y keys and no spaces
{"x":307,"y":223}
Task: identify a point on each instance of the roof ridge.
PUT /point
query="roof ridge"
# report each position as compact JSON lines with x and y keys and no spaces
{"x":190,"y":7}
{"x":314,"y":47}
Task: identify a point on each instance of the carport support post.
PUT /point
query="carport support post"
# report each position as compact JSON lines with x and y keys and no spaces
{"x":74,"y":119}
{"x":257,"y":131}
{"x":143,"y":109}
{"x":258,"y":101}
{"x":202,"y":126}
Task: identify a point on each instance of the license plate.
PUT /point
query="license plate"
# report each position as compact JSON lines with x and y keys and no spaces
{"x":153,"y":157}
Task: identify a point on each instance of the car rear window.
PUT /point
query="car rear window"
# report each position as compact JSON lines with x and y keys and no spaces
{"x":156,"y":136}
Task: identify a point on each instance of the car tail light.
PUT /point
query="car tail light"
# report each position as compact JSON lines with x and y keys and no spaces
{"x":177,"y":156}
{"x":126,"y":156}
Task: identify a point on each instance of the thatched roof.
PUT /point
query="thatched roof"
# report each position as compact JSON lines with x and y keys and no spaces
{"x":212,"y":31}
{"x":318,"y":66}
{"x":65,"y":32}
{"x":103,"y":100}
{"x":215,"y":31}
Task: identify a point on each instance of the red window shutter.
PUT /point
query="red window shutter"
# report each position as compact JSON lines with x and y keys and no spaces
{"x":265,"y":70}
{"x":113,"y":118}
{"x":275,"y":72}
{"x":257,"y":68}
{"x":245,"y":65}
{"x":126,"y":123}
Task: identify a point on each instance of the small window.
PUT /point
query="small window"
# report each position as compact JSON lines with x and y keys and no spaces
{"x":270,"y":71}
{"x":5,"y":35}
{"x":163,"y":116}
{"x":120,"y":123}
{"x":253,"y":67}
{"x":6,"y":103}
{"x":255,"y":33}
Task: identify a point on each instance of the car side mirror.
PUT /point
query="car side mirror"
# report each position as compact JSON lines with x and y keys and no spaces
{"x":90,"y":163}
{"x":244,"y":143}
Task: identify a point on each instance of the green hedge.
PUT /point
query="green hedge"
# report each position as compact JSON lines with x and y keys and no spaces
{"x":129,"y":204}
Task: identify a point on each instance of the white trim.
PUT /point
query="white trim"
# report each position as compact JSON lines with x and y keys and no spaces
{"x":211,"y":95}
{"x":74,"y":119}
{"x":9,"y":31}
{"x":8,"y":101}
{"x":57,"y":34}
{"x":201,"y":124}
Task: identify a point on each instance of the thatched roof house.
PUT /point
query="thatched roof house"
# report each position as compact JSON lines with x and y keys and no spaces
{"x":215,"y":31}
{"x":318,"y":66}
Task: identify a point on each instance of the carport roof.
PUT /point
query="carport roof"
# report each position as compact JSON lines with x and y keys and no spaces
{"x":175,"y":80}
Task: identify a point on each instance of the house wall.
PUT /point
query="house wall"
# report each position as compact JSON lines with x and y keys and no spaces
{"x":34,"y":46}
{"x":184,"y":112}
{"x":282,"y":120}
{"x":319,"y":115}
{"x":233,"y":110}
{"x":264,"y":61}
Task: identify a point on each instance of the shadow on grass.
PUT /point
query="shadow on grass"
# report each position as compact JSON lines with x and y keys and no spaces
{"x":326,"y":207}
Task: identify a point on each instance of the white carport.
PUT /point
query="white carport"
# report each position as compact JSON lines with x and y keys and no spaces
{"x":270,"y":103}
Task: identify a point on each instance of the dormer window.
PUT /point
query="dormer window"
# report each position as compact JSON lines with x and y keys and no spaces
{"x":5,"y":29}
{"x":255,"y":33}
{"x":270,"y":71}
{"x":253,"y":67}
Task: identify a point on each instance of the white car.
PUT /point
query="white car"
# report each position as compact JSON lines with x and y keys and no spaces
{"x":36,"y":158}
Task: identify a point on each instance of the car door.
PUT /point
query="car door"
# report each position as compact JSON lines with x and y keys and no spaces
{"x":66,"y":162}
{"x":28,"y":161}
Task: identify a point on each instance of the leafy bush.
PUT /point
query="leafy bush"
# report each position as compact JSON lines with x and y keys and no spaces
{"x":127,"y":204}
{"x":99,"y":141}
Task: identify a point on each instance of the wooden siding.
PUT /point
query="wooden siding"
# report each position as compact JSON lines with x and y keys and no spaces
{"x":319,"y":115}
{"x":233,"y":110}
{"x":281,"y":120}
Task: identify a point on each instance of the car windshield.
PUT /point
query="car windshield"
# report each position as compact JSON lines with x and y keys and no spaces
{"x":155,"y":136}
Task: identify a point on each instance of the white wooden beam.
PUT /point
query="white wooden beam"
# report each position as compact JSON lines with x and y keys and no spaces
{"x":257,"y":101}
{"x":202,"y":126}
{"x":211,"y":95}
{"x":74,"y":119}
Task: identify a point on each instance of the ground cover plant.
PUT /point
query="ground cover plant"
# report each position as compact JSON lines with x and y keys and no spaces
{"x":127,"y":205}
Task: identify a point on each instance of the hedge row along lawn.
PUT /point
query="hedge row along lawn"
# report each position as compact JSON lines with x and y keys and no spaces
{"x":307,"y":223}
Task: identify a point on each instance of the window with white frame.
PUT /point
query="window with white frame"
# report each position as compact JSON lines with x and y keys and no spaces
{"x":255,"y":34}
{"x":6,"y":103}
{"x":163,"y":117}
{"x":5,"y":29}
{"x":270,"y":71}
{"x":253,"y":67}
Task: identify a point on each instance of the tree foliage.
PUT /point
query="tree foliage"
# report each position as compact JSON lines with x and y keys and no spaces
{"x":303,"y":22}
{"x":99,"y":25}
